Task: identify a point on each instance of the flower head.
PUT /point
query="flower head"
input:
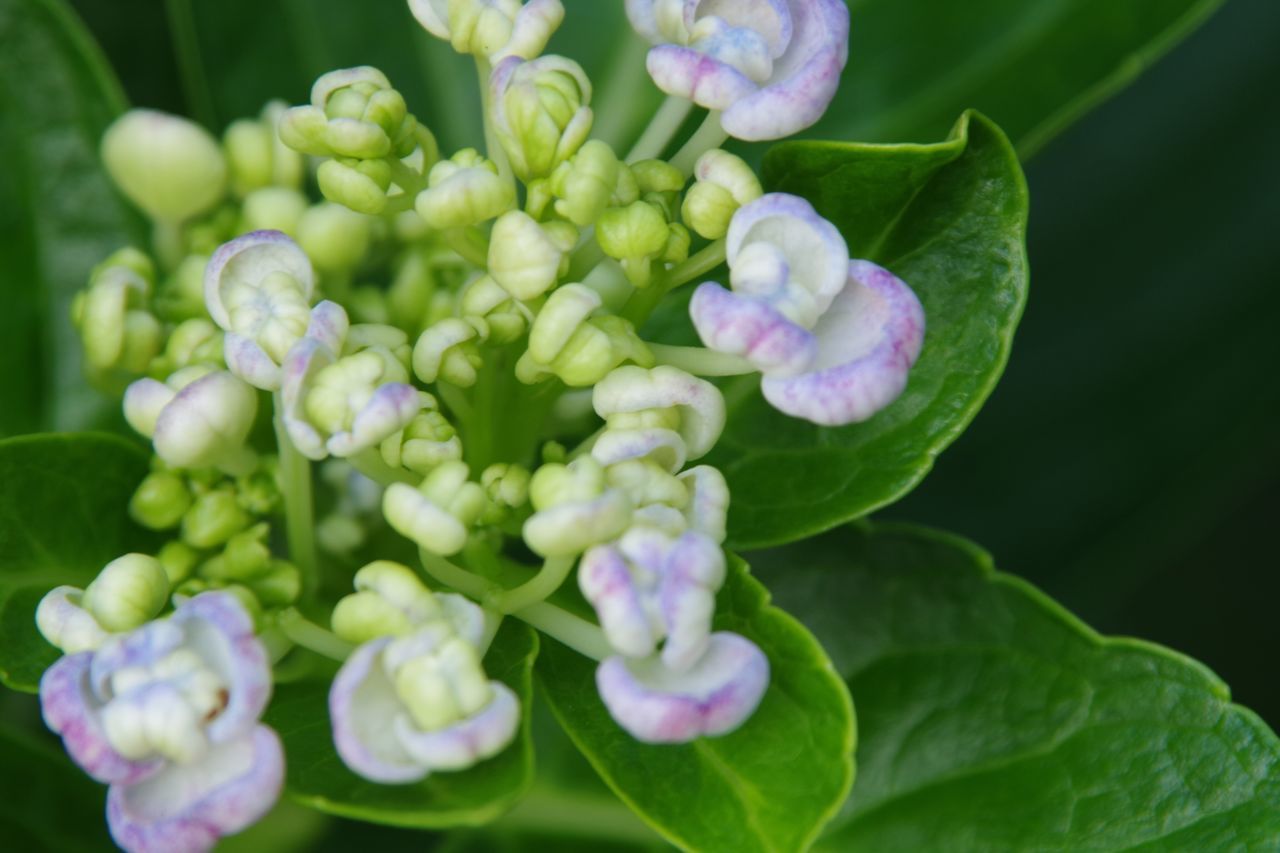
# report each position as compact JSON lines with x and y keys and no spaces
{"x":491,"y":29}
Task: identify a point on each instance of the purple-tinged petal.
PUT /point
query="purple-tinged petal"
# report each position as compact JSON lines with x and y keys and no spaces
{"x":187,"y":808}
{"x":867,"y":342}
{"x":816,"y":254}
{"x":70,"y":708}
{"x":607,"y":584}
{"x":708,"y":501}
{"x":663,"y":446}
{"x":456,"y":747}
{"x":636,"y":389}
{"x":751,"y":328}
{"x":218,"y":627}
{"x":249,"y":259}
{"x":388,"y":411}
{"x":687,"y":73}
{"x":329,"y":324}
{"x":363,"y":706}
{"x":694,"y":570}
{"x":138,"y":648}
{"x":248,"y":360}
{"x":713,"y":697}
{"x":306,"y":358}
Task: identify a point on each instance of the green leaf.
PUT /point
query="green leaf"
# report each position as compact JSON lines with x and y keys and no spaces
{"x":992,"y":719}
{"x":63,"y":516}
{"x":46,"y":802}
{"x":950,"y":219}
{"x":770,"y":785}
{"x":318,"y":778}
{"x":58,"y":213}
{"x":1034,"y":67}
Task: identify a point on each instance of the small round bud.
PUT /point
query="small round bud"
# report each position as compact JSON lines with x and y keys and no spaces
{"x":213,"y":519}
{"x":540,"y":112}
{"x":723,"y":184}
{"x":526,"y":258}
{"x":255,"y":155}
{"x":170,"y":167}
{"x":448,"y":350}
{"x":273,"y":208}
{"x":358,"y":184}
{"x":334,"y":237}
{"x":438,"y":513}
{"x":160,"y":501}
{"x":129,"y":591}
{"x":279,"y":585}
{"x":178,"y":559}
{"x":464,"y":190}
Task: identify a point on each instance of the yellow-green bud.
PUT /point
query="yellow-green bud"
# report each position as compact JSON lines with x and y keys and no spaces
{"x":213,"y":518}
{"x":170,"y":167}
{"x":464,"y":190}
{"x":585,"y":185}
{"x":129,"y":591}
{"x":449,"y":350}
{"x":540,"y":112}
{"x":273,"y":209}
{"x":178,"y":559}
{"x":279,"y":585}
{"x":160,"y":501}
{"x":334,"y":237}
{"x":439,"y":512}
{"x":526,"y":258}
{"x":723,"y":184}
{"x":571,"y":340}
{"x":358,"y":184}
{"x":255,"y":155}
{"x":506,"y":318}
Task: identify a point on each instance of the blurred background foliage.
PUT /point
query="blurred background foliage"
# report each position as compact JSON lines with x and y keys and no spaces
{"x":1128,"y":463}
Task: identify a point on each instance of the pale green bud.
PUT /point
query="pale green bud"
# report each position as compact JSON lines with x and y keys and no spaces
{"x":583,"y":479}
{"x":279,"y":585}
{"x":585,"y":186}
{"x":245,"y":556}
{"x":273,"y":209}
{"x":427,"y":441}
{"x":255,"y":155}
{"x":354,"y":113}
{"x":540,"y":112}
{"x":678,"y":240}
{"x":258,"y":492}
{"x":464,"y":190}
{"x":657,"y":176}
{"x":358,"y":184}
{"x":381,"y":337}
{"x":367,"y":616}
{"x":170,"y":167}
{"x":438,"y":513}
{"x":636,"y":231}
{"x":443,"y":687}
{"x":723,"y":184}
{"x":129,"y":591}
{"x":505,"y":317}
{"x":178,"y":559}
{"x":191,"y":342}
{"x":507,"y":487}
{"x":571,"y":340}
{"x":646,"y":482}
{"x":491,"y":29}
{"x":160,"y":501}
{"x":335,"y":237}
{"x":214,"y":518}
{"x":118,"y":331}
{"x":526,"y":258}
{"x":389,"y":600}
{"x":449,"y":350}
{"x":575,"y":509}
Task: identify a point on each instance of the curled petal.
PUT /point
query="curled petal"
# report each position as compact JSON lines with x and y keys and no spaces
{"x":468,"y":741}
{"x":705,"y":80}
{"x":751,"y":328}
{"x":388,"y":411}
{"x":413,"y":514}
{"x":248,"y":260}
{"x":433,"y":15}
{"x":363,"y":706}
{"x":868,"y":341}
{"x":635,"y":389}
{"x":144,"y":400}
{"x":206,"y":421}
{"x":708,"y":505}
{"x":606,"y":583}
{"x":188,"y":807}
{"x":70,"y":708}
{"x":248,"y":360}
{"x":713,"y":697}
{"x":534,"y":25}
{"x":65,"y":623}
{"x":307,"y":358}
{"x":571,"y":528}
{"x":804,"y":79}
{"x":329,"y":325}
{"x":693,"y":572}
{"x":663,"y":446}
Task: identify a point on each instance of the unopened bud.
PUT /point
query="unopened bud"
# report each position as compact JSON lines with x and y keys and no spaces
{"x":129,"y":591}
{"x":167,"y":165}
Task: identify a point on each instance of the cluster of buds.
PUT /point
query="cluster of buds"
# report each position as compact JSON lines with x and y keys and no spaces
{"x":436,"y":332}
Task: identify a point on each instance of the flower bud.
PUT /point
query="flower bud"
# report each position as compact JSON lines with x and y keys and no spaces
{"x":438,"y":513}
{"x":491,"y":29}
{"x":573,"y":340}
{"x":358,"y":184}
{"x":160,"y":501}
{"x":63,"y":621}
{"x":278,"y":585}
{"x":586,"y":185}
{"x":575,"y":509}
{"x":118,"y":331}
{"x":526,"y":258}
{"x":178,"y":559}
{"x":214,"y":518}
{"x":448,"y":350}
{"x":391,"y":600}
{"x":507,"y":487}
{"x":199,"y":419}
{"x":428,"y":440}
{"x":540,"y":112}
{"x":129,"y":591}
{"x":256,"y":157}
{"x":635,"y":235}
{"x":723,"y":184}
{"x":192,"y":343}
{"x":181,"y":295}
{"x":354,"y":113}
{"x":170,"y":167}
{"x":274,"y":209}
{"x":506,"y":318}
{"x":464,"y":190}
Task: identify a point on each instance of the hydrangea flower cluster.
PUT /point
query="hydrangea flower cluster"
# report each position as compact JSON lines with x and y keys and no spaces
{"x":459,"y":338}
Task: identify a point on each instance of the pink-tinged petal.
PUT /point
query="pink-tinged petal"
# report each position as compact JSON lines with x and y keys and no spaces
{"x":249,"y":259}
{"x":456,"y":747}
{"x":687,"y":73}
{"x":388,"y":411}
{"x":329,"y":324}
{"x":306,"y":358}
{"x":817,"y":256}
{"x":708,"y":505}
{"x":607,"y":584}
{"x":70,"y":708}
{"x":216,"y":625}
{"x":138,"y":648}
{"x":363,"y":707}
{"x":663,"y":446}
{"x":751,"y":328}
{"x":713,"y":697}
{"x":144,"y":400}
{"x":804,"y":79}
{"x":693,"y":572}
{"x":187,"y":808}
{"x":248,"y":360}
{"x":867,"y":343}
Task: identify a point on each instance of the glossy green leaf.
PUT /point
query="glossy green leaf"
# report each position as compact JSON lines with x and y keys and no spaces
{"x":992,"y":719}
{"x":950,"y":219}
{"x":46,"y":802}
{"x":63,"y":516}
{"x":770,"y":785}
{"x":1034,"y":67}
{"x":318,"y":778}
{"x":58,"y":213}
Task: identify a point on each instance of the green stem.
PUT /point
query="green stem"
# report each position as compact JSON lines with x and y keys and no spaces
{"x":623,"y":83}
{"x":493,"y":148}
{"x":371,"y":464}
{"x":696,"y":265}
{"x":700,"y":361}
{"x":459,"y":406}
{"x":470,"y":244}
{"x":167,"y":242}
{"x":709,"y":135}
{"x":405,"y":178}
{"x":186,"y":43}
{"x":309,"y":635}
{"x":295,"y":487}
{"x":577,"y":633}
{"x":538,"y":588}
{"x":662,"y":129}
{"x":492,"y":622}
{"x":398,"y":204}
{"x":586,"y":257}
{"x":457,"y":578}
